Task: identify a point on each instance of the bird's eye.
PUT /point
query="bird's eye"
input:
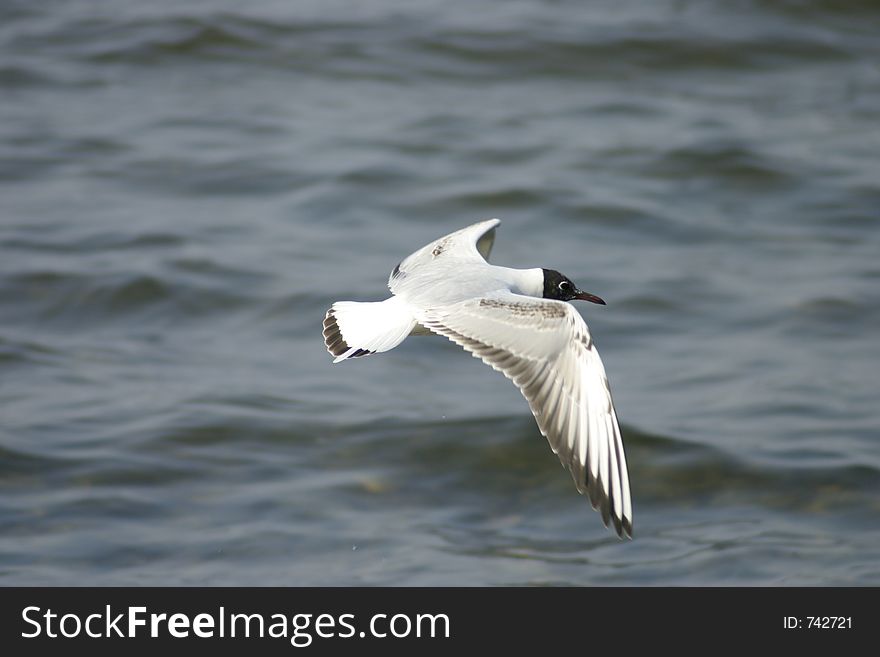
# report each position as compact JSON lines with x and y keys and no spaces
{"x":564,"y":286}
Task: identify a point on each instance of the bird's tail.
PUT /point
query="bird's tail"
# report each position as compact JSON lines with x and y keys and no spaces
{"x":353,"y":329}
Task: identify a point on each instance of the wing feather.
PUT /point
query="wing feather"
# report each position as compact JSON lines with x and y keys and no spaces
{"x":545,"y":348}
{"x":472,"y":244}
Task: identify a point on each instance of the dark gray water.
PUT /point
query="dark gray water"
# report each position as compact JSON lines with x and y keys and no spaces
{"x":186,"y":186}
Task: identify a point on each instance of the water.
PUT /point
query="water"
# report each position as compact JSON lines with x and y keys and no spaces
{"x":186,"y":186}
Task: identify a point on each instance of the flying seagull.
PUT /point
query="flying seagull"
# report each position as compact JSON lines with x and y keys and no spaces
{"x":518,"y":322}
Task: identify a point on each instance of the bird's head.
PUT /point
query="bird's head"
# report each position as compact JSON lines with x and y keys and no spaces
{"x":560,"y":287}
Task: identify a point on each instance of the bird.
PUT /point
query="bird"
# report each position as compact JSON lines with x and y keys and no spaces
{"x":520,"y":323}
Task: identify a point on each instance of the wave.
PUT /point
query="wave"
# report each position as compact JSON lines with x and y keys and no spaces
{"x":71,"y":298}
{"x":407,"y":43}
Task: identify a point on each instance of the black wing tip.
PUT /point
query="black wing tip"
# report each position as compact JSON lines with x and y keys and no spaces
{"x":333,"y":336}
{"x":334,"y":342}
{"x":623,"y":526}
{"x":602,"y":503}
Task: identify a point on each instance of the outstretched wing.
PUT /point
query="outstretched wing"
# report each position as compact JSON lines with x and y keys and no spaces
{"x":468,"y":245}
{"x":545,"y":348}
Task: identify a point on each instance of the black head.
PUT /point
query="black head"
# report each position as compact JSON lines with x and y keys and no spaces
{"x":561,"y":288}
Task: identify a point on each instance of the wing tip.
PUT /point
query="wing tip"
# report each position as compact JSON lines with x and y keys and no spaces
{"x":333,"y":335}
{"x":601,"y":501}
{"x":623,"y":526}
{"x":334,"y":342}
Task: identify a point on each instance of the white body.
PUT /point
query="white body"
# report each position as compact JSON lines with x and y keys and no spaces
{"x":500,"y":316}
{"x":438,"y":274}
{"x":382,"y":325}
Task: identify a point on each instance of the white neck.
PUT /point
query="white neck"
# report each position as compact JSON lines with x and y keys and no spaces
{"x":529,"y":282}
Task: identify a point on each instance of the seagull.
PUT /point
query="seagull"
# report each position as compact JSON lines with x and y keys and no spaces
{"x":519,"y":322}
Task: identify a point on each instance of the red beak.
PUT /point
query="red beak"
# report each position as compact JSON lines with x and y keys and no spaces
{"x":586,"y":296}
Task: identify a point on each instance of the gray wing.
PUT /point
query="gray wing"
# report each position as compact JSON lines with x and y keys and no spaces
{"x":545,"y":348}
{"x":472,"y":244}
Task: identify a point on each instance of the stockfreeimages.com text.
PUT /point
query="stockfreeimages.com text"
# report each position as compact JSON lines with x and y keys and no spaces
{"x":300,"y":629}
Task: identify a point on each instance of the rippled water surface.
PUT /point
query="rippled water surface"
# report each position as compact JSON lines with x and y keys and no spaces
{"x":186,"y":186}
